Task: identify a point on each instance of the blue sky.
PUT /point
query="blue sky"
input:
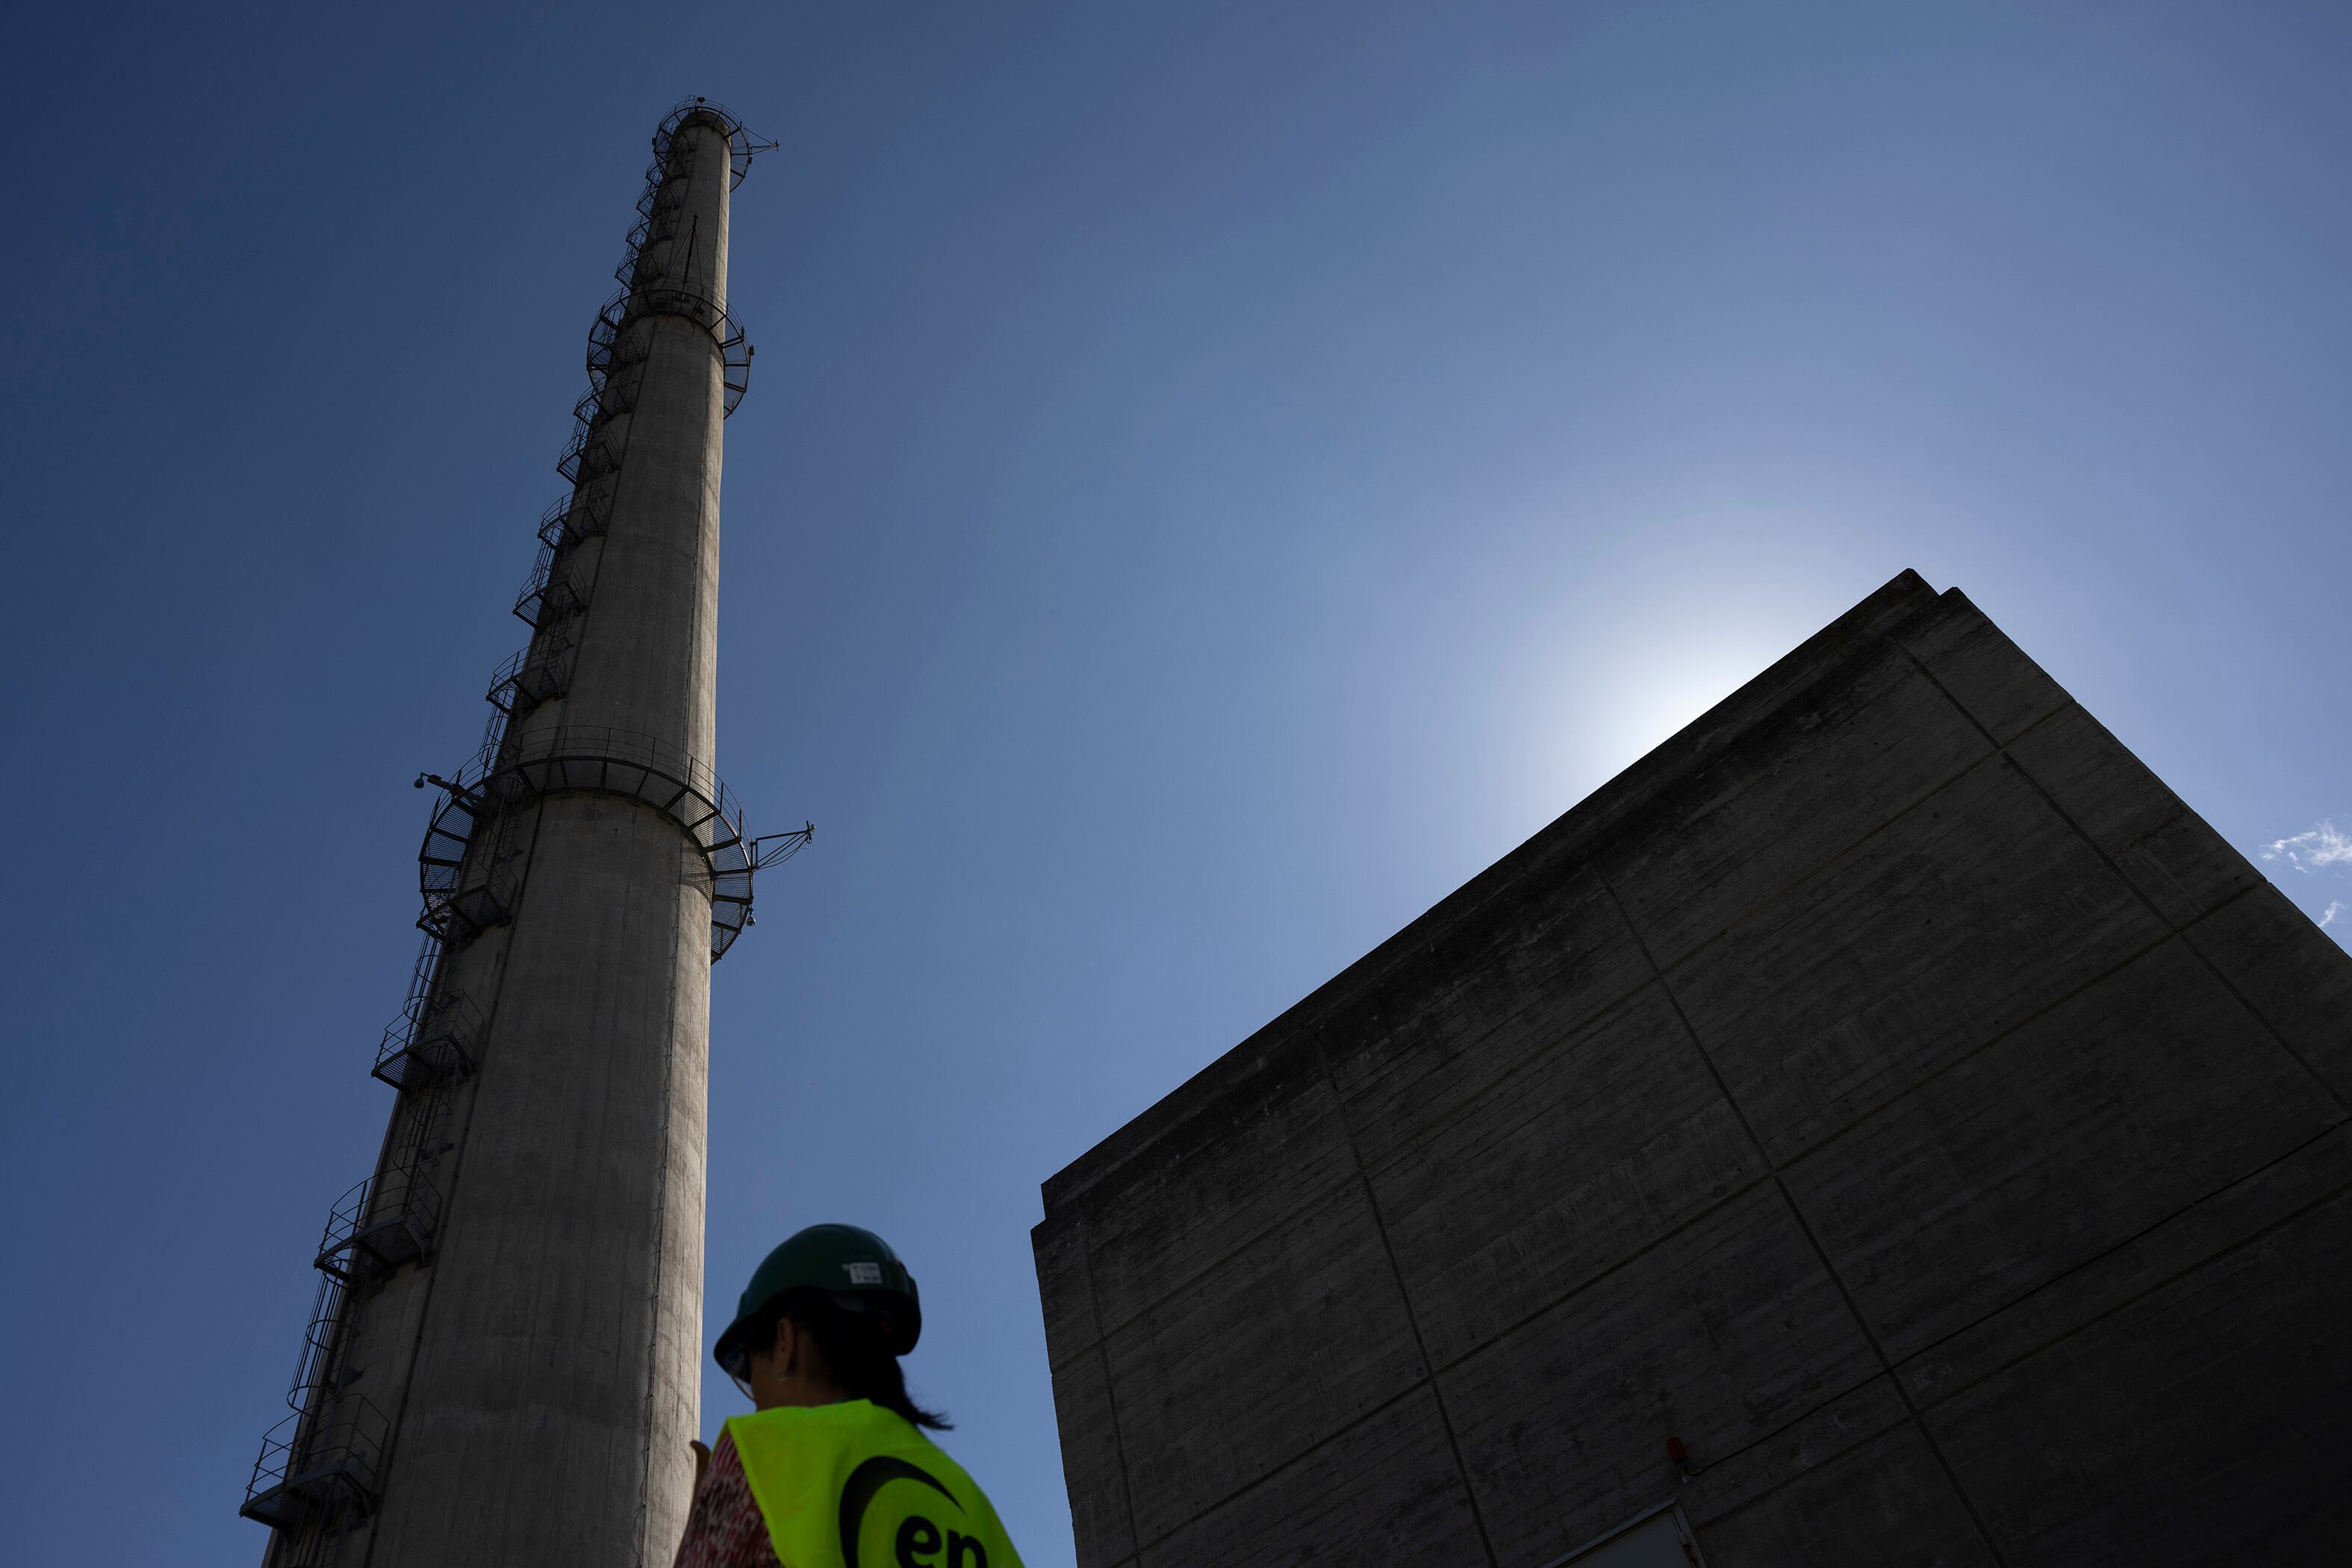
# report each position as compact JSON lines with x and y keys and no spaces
{"x":1216,"y":476}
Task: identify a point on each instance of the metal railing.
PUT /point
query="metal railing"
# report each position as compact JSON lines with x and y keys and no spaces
{"x":314,"y":1368}
{"x":564,"y":527}
{"x":552,"y":592}
{"x":604,"y":340}
{"x":584,"y":457}
{"x":470,"y":886}
{"x":385,"y":1221}
{"x":318,"y":1470}
{"x":433,"y":1038}
{"x":311,"y":1467}
{"x":530,"y":603}
{"x":598,"y":760}
{"x":610,"y":335}
{"x":534,"y":674}
{"x":741,"y":144}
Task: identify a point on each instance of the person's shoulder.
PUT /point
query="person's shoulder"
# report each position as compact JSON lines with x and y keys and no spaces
{"x":852,"y":1424}
{"x":919,"y":1446}
{"x":970,"y":1495}
{"x":849,"y":1428}
{"x":849,"y":1412}
{"x":881,"y":1431}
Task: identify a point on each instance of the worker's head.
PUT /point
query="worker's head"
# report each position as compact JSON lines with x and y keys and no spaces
{"x":826,"y":1317}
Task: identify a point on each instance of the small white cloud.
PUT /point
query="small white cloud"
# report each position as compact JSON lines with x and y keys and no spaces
{"x":2335,"y":908}
{"x":2326,"y":844}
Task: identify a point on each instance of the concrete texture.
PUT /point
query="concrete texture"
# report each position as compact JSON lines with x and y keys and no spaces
{"x":1887,"y":1087}
{"x":539,"y":1367}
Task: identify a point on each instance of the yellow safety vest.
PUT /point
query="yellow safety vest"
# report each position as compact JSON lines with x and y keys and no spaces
{"x":854,"y":1486}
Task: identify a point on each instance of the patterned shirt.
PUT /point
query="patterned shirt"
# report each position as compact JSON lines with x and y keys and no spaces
{"x":725,"y":1529}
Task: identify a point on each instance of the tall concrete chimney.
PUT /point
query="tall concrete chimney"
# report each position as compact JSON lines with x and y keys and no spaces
{"x":502,"y":1364}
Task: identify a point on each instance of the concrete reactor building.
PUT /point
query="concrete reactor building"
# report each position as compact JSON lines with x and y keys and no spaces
{"x":1883,"y":1125}
{"x":502,"y":1364}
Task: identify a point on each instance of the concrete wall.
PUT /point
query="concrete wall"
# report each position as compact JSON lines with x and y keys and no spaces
{"x":1887,"y":1087}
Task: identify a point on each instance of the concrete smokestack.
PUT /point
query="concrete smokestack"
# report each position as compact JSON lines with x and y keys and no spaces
{"x":503,"y":1365}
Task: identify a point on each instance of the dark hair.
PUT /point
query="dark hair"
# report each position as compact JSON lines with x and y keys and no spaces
{"x":853,"y":1345}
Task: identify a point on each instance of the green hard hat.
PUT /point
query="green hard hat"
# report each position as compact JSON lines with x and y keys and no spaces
{"x":856,"y":1268}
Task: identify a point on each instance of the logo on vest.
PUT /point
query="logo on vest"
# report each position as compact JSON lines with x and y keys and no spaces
{"x":919,"y":1539}
{"x":919,"y":1542}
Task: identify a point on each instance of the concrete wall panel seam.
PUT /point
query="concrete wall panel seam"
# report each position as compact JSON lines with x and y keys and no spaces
{"x":1852,"y":1308}
{"x":1421,"y":1344}
{"x":2099,"y":850}
{"x":1276,"y":1472}
{"x":1843,"y":854}
{"x":2190,"y":1265}
{"x":1110,"y":1394}
{"x":1305,"y":1199}
{"x":1604,"y":1278}
{"x":1822,"y":1143}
